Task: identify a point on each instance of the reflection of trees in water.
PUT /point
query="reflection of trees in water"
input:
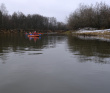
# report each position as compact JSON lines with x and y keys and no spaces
{"x":95,"y":59}
{"x":50,"y":41}
{"x":20,"y":44}
{"x":89,"y":50}
{"x":3,"y":58}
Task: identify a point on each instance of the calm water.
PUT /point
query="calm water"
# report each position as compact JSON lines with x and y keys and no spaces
{"x":54,"y":64}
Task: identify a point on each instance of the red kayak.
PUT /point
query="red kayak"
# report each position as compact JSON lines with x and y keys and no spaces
{"x":33,"y":35}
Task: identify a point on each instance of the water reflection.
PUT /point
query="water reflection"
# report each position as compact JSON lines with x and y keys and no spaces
{"x":85,"y":49}
{"x":94,"y":50}
{"x":47,"y":66}
{"x":34,"y":38}
{"x":34,"y":53}
{"x":20,"y":44}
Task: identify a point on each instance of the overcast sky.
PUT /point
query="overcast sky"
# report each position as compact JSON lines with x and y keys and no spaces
{"x":60,"y":9}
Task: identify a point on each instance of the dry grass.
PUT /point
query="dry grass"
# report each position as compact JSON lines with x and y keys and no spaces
{"x":67,"y":32}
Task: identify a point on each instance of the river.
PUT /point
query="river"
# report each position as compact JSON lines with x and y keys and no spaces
{"x":54,"y":64}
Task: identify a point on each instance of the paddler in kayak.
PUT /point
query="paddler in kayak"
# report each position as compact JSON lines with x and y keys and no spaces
{"x":34,"y":33}
{"x":30,"y":33}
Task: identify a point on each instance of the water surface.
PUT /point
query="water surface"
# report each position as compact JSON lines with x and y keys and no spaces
{"x":54,"y":64}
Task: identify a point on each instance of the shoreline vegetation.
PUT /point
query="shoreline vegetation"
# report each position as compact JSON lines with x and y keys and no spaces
{"x":39,"y":31}
{"x":104,"y":32}
{"x":20,"y":22}
{"x":87,"y":20}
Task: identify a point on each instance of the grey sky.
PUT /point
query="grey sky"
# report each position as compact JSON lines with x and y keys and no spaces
{"x":59,"y":9}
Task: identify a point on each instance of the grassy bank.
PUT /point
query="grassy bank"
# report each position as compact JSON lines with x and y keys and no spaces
{"x":67,"y":32}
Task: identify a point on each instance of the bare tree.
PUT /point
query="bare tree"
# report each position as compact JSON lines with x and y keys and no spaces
{"x":97,"y":16}
{"x":3,"y":9}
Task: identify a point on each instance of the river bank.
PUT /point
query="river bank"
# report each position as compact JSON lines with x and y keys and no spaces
{"x":103,"y":35}
{"x":92,"y":32}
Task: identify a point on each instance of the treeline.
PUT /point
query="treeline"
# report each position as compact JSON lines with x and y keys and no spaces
{"x":18,"y":21}
{"x":94,"y":16}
